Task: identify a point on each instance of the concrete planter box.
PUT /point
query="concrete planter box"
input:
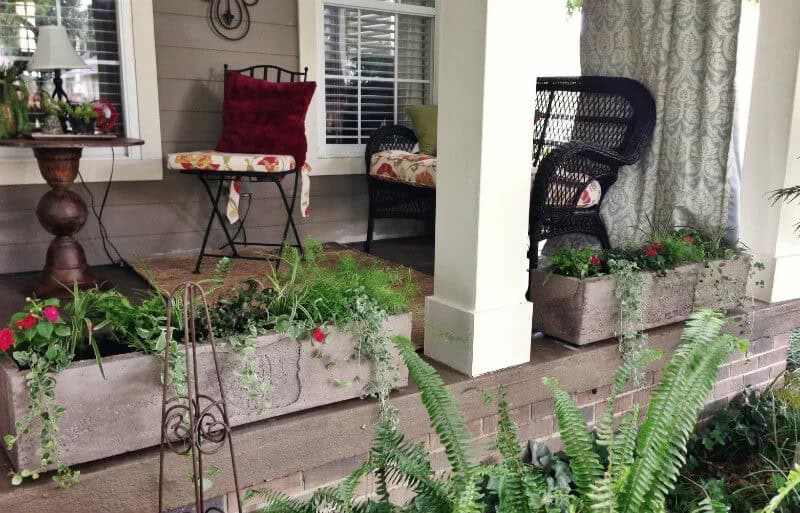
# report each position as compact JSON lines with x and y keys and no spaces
{"x":586,"y":311}
{"x":122,"y":413}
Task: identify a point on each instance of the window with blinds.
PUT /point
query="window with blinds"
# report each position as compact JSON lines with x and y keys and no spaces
{"x":377,"y":62}
{"x":92,"y":28}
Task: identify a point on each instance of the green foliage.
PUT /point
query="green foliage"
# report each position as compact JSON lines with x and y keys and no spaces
{"x":793,"y":359}
{"x":576,"y":263}
{"x":83,"y":111}
{"x":629,"y":293}
{"x":643,"y":467}
{"x":664,"y":249}
{"x":14,"y":96}
{"x":743,"y":455}
{"x":301,"y":301}
{"x":624,"y":470}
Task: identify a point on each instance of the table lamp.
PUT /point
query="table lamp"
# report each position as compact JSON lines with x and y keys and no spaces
{"x":54,"y":53}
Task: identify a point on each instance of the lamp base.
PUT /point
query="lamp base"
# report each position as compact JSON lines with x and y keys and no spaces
{"x":58,"y":92}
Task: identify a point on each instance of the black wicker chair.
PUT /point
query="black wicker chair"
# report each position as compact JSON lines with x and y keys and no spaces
{"x":586,"y":128}
{"x":389,"y":199}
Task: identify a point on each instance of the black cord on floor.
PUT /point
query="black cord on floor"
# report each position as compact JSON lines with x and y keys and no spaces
{"x":104,"y":238}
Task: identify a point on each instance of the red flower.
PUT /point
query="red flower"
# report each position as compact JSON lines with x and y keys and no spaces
{"x":595,"y":260}
{"x":651,"y":251}
{"x":28,"y":322}
{"x":658,"y":246}
{"x":319,"y":335}
{"x":689,"y":239}
{"x":51,"y":313}
{"x":6,"y":339}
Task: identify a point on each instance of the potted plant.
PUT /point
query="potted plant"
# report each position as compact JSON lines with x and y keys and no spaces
{"x":53,"y":122}
{"x":13,"y":104}
{"x":82,"y":117}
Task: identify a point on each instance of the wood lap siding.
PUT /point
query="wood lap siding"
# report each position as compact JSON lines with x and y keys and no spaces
{"x":144,"y":218}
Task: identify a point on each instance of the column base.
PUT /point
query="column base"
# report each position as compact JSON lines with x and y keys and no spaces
{"x":477,"y":342}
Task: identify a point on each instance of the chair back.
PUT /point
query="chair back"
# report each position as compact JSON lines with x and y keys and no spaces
{"x":272,"y":73}
{"x":613,"y":113}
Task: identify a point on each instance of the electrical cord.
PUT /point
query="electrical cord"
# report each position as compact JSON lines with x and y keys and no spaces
{"x":104,"y":238}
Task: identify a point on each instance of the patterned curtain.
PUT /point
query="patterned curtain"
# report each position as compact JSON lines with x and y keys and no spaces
{"x":684,"y":52}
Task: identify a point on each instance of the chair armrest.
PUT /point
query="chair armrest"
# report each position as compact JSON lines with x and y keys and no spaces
{"x":390,"y":137}
{"x":579,"y":152}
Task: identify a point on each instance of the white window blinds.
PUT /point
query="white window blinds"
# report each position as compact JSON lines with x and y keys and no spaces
{"x":92,"y":28}
{"x":377,"y":62}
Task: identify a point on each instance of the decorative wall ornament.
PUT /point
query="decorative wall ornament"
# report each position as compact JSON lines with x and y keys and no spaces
{"x":230,"y":19}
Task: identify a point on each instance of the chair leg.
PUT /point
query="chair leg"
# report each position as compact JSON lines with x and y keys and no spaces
{"x":289,"y":218}
{"x":370,"y":233}
{"x":210,"y":221}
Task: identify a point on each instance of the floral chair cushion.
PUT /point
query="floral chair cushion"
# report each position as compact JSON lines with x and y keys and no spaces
{"x":401,"y":166}
{"x":211,"y":160}
{"x":420,"y":170}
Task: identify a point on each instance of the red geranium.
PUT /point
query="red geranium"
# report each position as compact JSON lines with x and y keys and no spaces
{"x":595,"y":260}
{"x":689,"y":239}
{"x":6,"y":339}
{"x":658,"y":246}
{"x":28,"y":322}
{"x":51,"y":313}
{"x":651,"y":251}
{"x":319,"y":335}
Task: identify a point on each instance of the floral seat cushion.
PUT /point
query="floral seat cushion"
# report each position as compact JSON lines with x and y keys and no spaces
{"x":401,"y":166}
{"x":420,"y":170}
{"x":210,"y":160}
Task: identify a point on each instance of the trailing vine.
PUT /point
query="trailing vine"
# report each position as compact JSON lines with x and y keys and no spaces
{"x":629,"y":293}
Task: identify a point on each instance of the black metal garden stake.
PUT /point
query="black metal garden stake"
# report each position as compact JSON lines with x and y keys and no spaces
{"x":193,"y":423}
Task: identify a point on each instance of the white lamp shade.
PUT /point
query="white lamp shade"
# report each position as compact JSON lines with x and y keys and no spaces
{"x":54,"y":51}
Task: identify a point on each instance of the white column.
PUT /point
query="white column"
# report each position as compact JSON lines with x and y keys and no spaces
{"x":772,"y":150}
{"x":478,"y":320}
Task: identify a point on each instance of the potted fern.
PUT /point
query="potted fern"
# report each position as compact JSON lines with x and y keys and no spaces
{"x":13,"y":104}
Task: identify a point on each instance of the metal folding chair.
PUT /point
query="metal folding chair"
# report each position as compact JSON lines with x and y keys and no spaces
{"x":222,"y":177}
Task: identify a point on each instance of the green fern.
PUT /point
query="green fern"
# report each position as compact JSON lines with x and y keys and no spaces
{"x":642,"y":467}
{"x":673,"y":410}
{"x":585,"y":463}
{"x":449,"y":424}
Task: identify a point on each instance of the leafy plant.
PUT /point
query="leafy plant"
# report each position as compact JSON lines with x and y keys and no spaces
{"x":744,"y":453}
{"x":303,"y":302}
{"x":13,"y":103}
{"x":82,"y":111}
{"x":627,"y":469}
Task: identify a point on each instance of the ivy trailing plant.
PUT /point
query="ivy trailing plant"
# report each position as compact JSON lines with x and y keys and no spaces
{"x":304,"y":302}
{"x":621,"y":469}
{"x":629,"y":291}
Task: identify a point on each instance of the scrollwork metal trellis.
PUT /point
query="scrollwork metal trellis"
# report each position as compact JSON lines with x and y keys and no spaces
{"x":230,"y":19}
{"x":193,"y":423}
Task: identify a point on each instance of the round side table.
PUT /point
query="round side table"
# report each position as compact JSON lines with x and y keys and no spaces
{"x":61,"y":211}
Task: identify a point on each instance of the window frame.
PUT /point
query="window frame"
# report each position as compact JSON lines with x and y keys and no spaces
{"x":137,"y":57}
{"x":338,"y":159}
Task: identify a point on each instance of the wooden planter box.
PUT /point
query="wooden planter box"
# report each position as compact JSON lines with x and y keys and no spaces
{"x":123,"y":412}
{"x":586,"y":311}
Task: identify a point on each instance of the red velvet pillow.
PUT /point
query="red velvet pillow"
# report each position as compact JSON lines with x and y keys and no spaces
{"x":265,"y":117}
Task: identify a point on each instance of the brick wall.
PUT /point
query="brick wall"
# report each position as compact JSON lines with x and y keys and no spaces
{"x":760,"y":366}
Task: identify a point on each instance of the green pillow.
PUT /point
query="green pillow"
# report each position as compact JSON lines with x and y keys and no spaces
{"x":424,"y":118}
